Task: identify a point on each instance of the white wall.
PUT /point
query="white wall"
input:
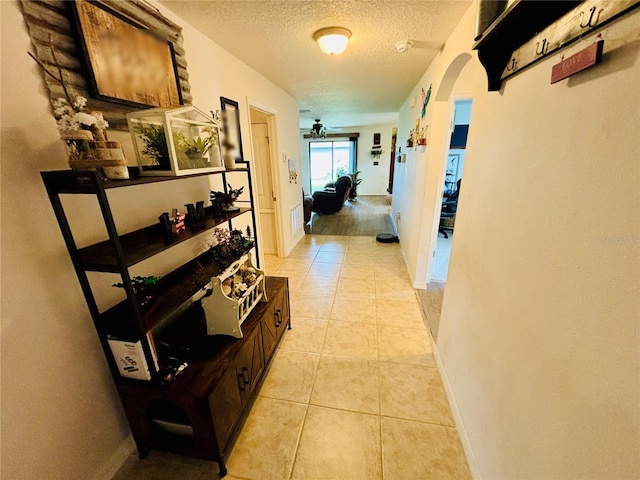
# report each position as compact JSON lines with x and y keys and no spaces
{"x":539,"y":333}
{"x":61,"y":416}
{"x":375,"y":178}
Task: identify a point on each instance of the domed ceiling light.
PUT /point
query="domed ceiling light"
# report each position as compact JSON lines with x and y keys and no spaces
{"x":332,"y":40}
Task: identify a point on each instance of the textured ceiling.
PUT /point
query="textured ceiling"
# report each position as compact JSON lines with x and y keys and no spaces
{"x":370,"y":77}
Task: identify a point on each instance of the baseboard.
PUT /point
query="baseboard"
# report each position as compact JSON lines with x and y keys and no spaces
{"x":294,"y":242}
{"x":420,"y":285}
{"x":457,"y":418}
{"x":110,"y":468}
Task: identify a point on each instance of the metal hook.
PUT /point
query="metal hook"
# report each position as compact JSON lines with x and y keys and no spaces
{"x":512,"y":67}
{"x":545,"y":45}
{"x":592,"y":22}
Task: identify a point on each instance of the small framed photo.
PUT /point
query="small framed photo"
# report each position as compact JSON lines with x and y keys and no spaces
{"x":231,"y":127}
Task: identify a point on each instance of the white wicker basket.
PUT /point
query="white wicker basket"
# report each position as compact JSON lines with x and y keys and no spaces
{"x":225,"y":315}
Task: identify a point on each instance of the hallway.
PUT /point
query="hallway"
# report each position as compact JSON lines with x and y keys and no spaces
{"x":353,"y":393}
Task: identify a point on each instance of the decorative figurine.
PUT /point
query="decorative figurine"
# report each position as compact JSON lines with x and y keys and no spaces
{"x":171,"y":225}
{"x":410,"y":139}
{"x":177,"y":221}
{"x":228,"y":198}
{"x":422,"y":138}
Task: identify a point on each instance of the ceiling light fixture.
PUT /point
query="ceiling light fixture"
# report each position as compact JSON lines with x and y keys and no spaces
{"x":317,"y":130}
{"x":332,"y":40}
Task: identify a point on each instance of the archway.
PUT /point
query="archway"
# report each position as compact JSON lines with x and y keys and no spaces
{"x":450,"y":77}
{"x":449,"y":96}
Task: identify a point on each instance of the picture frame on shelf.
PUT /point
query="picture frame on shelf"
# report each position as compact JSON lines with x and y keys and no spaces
{"x":126,"y":62}
{"x":231,"y":127}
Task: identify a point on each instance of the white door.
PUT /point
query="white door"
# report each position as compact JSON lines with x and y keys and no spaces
{"x":266,"y":195}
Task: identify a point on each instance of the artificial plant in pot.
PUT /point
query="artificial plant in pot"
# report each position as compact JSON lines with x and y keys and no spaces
{"x":229,"y":246}
{"x":355,"y":181}
{"x":144,"y":289}
{"x":196,"y":148}
{"x":155,"y":143}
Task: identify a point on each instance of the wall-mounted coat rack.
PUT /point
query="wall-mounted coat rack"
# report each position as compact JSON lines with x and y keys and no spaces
{"x":526,"y":32}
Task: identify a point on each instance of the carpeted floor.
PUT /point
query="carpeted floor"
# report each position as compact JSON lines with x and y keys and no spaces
{"x":367,"y":216}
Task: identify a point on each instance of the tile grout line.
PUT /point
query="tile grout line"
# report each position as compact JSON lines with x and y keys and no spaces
{"x":304,"y":420}
{"x":422,"y":422}
{"x":296,"y":450}
{"x":382,"y":473}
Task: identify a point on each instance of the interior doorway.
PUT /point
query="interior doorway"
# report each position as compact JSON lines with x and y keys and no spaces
{"x":456,"y":156}
{"x":261,"y":137}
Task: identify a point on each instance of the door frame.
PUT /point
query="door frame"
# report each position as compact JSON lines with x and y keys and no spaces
{"x":275,"y":169}
{"x":453,"y":98}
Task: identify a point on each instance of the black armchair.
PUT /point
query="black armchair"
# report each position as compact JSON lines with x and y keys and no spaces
{"x":331,"y":202}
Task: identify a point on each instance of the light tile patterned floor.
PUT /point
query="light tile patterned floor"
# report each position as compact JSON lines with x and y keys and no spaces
{"x":354,"y":392}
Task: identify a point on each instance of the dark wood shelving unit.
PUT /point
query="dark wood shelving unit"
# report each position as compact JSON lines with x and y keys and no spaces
{"x":211,"y":398}
{"x":220,"y":384}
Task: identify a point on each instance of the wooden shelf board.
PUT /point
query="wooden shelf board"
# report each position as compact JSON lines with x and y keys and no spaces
{"x":522,"y":19}
{"x":75,"y":182}
{"x":172,"y":291}
{"x":155,"y":179}
{"x":144,"y":243}
{"x":518,"y":23}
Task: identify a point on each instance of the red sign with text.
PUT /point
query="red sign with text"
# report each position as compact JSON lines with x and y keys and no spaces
{"x":576,"y":63}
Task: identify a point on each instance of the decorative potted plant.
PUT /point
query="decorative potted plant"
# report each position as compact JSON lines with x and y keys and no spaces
{"x":155,"y":143}
{"x":229,"y":247}
{"x":84,"y":133}
{"x":196,"y":148}
{"x":422,"y":138}
{"x":410,"y":139}
{"x":376,"y":152}
{"x":175,"y":141}
{"x":355,"y":181}
{"x":143,"y":288}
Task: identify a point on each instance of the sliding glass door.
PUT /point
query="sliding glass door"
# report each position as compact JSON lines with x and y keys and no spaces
{"x":328,"y":159}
